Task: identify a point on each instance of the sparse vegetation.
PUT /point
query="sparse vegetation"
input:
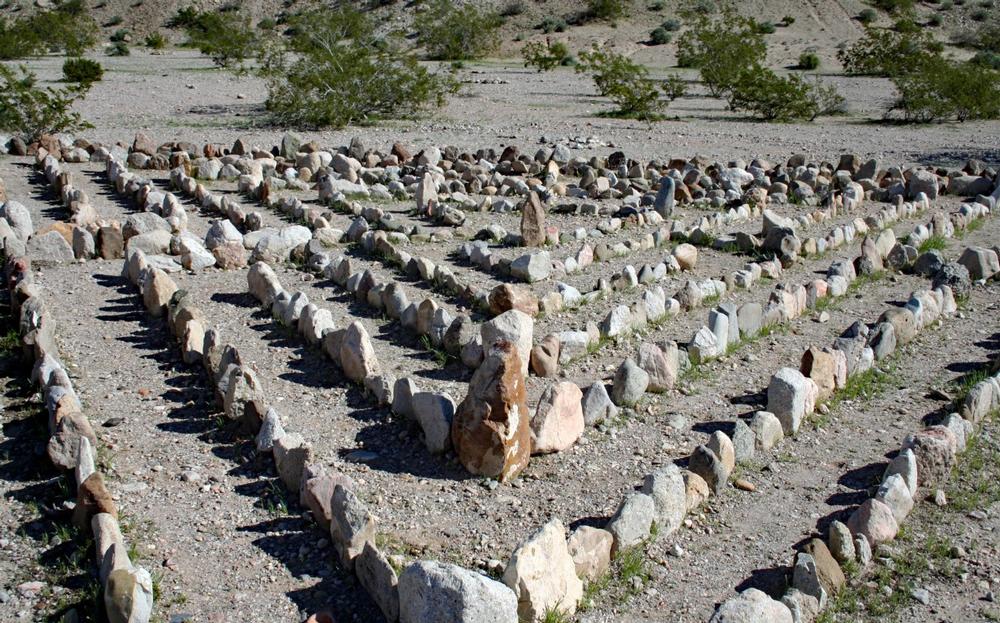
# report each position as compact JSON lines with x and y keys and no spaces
{"x":155,"y":41}
{"x":68,"y":28}
{"x":82,"y":70}
{"x":545,"y":56}
{"x":935,"y":242}
{"x":118,"y":48}
{"x":451,"y":32}
{"x":338,"y":71}
{"x":550,"y":25}
{"x":660,"y":36}
{"x":607,"y":9}
{"x":627,"y":83}
{"x":808,"y":61}
{"x":227,"y":38}
{"x":31,"y":111}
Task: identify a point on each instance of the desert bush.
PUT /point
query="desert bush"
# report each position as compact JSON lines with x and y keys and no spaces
{"x":114,"y":21}
{"x":674,"y":87}
{"x":625,"y":82}
{"x":82,"y":70}
{"x":657,"y":6}
{"x":155,"y":41}
{"x":979,"y":15}
{"x":867,"y":16}
{"x":894,"y":6}
{"x":268,"y":23}
{"x":660,"y":36}
{"x":787,"y":21}
{"x":765,"y":95}
{"x":671,"y":25}
{"x":336,"y":71}
{"x":940,"y":89}
{"x":450,"y":32}
{"x":185,"y":18}
{"x":607,"y":9}
{"x":550,"y":25}
{"x":701,"y":7}
{"x":721,"y":50}
{"x":31,"y":111}
{"x":544,"y":56}
{"x":826,"y":100}
{"x":67,"y":28}
{"x":118,"y":48}
{"x":934,"y":21}
{"x":512,"y":9}
{"x":885,"y":53}
{"x":985,"y":36}
{"x":808,"y":61}
{"x":986,"y":59}
{"x":227,"y":38}
{"x":120,"y":35}
{"x":766,"y":28}
{"x":906,"y":26}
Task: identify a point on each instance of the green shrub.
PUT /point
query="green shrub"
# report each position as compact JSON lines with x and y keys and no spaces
{"x":979,"y":15}
{"x":765,"y":95}
{"x":82,"y":70}
{"x":334,"y":71}
{"x":985,"y":36}
{"x":986,"y":59}
{"x":451,"y":32}
{"x":894,"y":6}
{"x":120,"y":35}
{"x":607,"y":9}
{"x":674,"y":87}
{"x":934,"y":21}
{"x":544,"y":56}
{"x":625,"y":82}
{"x":906,"y":26}
{"x":657,"y":6}
{"x":946,"y":5}
{"x":512,"y":9}
{"x":550,"y":25}
{"x":867,"y":16}
{"x":31,"y":111}
{"x":721,"y":50}
{"x":808,"y":61}
{"x":940,"y":89}
{"x":185,"y":18}
{"x":787,"y":21}
{"x":767,"y":28}
{"x":114,"y":21}
{"x":118,"y":48}
{"x":227,"y":38}
{"x":155,"y":41}
{"x":702,"y":7}
{"x":68,"y":28}
{"x":671,"y":25}
{"x":267,"y":23}
{"x":660,"y":36}
{"x":884,"y":52}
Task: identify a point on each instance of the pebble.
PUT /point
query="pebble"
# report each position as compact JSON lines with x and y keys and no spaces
{"x":940,"y":498}
{"x":111,"y":422}
{"x":745,"y":485}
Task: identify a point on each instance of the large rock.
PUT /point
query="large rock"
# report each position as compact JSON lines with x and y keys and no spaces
{"x":263,"y":283}
{"x":542,"y":574}
{"x":357,"y":356}
{"x":506,"y":297}
{"x":558,"y":421}
{"x":981,"y":263}
{"x":591,"y":551}
{"x":830,"y":574}
{"x":660,"y":361}
{"x":790,"y":397}
{"x":597,"y":405}
{"x":632,"y":522}
{"x":532,"y":267}
{"x":435,"y":592}
{"x":128,"y":596}
{"x":532,"y":221}
{"x":752,"y":606}
{"x":512,"y":326}
{"x":666,"y":487}
{"x":351,"y":525}
{"x":491,"y":432}
{"x":377,"y":575}
{"x":630,"y":383}
{"x":873,"y":520}
{"x":935,"y":449}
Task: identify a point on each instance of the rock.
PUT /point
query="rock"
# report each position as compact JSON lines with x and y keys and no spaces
{"x":291,"y":455}
{"x":357,"y":356}
{"x":980,"y":262}
{"x":686,"y":255}
{"x":710,"y":467}
{"x":157,"y":289}
{"x":50,"y":248}
{"x":934,"y":448}
{"x":542,"y":574}
{"x":666,"y":487}
{"x":922,"y":181}
{"x":790,"y":397}
{"x":752,"y":606}
{"x":841,"y":543}
{"x":351,"y":527}
{"x":632,"y":522}
{"x":882,"y":340}
{"x":491,"y":431}
{"x":803,"y":607}
{"x":661,"y":363}
{"x":820,"y":366}
{"x":874,"y":521}
{"x":617,"y":322}
{"x":317,"y":490}
{"x":379,"y":579}
{"x":863,"y":550}
{"x":894,"y":493}
{"x":696,"y":490}
{"x":532,"y":267}
{"x":903,"y":323}
{"x":92,"y":497}
{"x":664,"y":202}
{"x":270,"y":431}
{"x":263,"y":283}
{"x":591,"y":551}
{"x":722,"y":446}
{"x":805,"y":578}
{"x":767,"y":429}
{"x":532,"y":221}
{"x":597,"y":405}
{"x":230,"y":256}
{"x":830,"y":574}
{"x":515,"y":327}
{"x":545,"y":357}
{"x":905,"y":465}
{"x":244,"y":399}
{"x":128,"y":596}
{"x":436,"y":413}
{"x":630,"y":384}
{"x":704,"y":346}
{"x":506,"y":297}
{"x":558,"y":421}
{"x":744,"y":441}
{"x":435,"y":592}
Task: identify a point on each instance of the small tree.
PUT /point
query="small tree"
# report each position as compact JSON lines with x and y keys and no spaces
{"x":334,"y":70}
{"x":449,"y":32}
{"x":941,"y":89}
{"x":607,"y":9}
{"x":228,"y":38}
{"x":627,"y":83}
{"x":68,"y":28}
{"x":31,"y":111}
{"x":722,"y":50}
{"x":544,"y":56}
{"x":883,"y":52}
{"x":82,"y":70}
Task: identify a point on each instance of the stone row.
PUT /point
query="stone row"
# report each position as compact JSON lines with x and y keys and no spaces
{"x":72,"y":447}
{"x":426,"y":591}
{"x":925,"y":459}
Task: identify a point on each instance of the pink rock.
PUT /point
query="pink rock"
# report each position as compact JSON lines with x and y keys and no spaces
{"x":935,"y":448}
{"x":317,"y":492}
{"x":874,"y":520}
{"x":558,"y":420}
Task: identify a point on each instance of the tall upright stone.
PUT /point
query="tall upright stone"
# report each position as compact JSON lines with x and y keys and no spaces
{"x":532,"y":221}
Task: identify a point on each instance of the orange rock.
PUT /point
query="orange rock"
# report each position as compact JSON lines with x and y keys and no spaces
{"x":491,"y":432}
{"x":506,"y":297}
